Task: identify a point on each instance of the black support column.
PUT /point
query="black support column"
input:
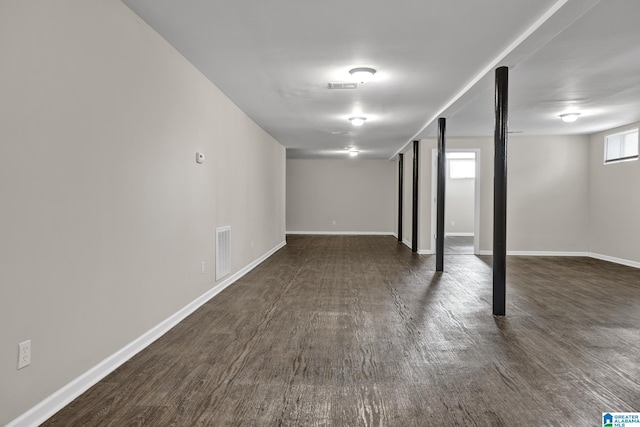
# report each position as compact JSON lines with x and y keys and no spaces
{"x":442,"y":123}
{"x":500,"y":192}
{"x":400,"y":193}
{"x":414,"y":226}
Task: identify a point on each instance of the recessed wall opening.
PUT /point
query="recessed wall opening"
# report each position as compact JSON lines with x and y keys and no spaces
{"x":459,"y":229}
{"x":461,"y":202}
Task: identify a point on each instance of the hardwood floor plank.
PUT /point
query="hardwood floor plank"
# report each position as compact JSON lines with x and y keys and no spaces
{"x":358,"y":331}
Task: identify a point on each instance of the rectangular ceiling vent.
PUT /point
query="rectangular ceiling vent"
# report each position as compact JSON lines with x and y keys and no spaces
{"x":223,"y":251}
{"x":343,"y":85}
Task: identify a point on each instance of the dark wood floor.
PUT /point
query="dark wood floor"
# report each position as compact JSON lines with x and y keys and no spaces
{"x":458,"y":245}
{"x":357,"y":331}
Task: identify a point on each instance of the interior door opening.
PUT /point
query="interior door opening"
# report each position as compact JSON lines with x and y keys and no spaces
{"x":461,"y":202}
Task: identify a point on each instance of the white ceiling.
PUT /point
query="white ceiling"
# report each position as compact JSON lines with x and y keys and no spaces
{"x":435,"y":58}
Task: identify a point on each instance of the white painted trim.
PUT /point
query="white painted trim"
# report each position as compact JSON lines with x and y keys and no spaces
{"x":420,"y":251}
{"x":345,"y":233}
{"x":601,"y":257}
{"x":547,"y":253}
{"x":538,"y":253}
{"x":477,"y":199}
{"x":459,"y":234}
{"x":65,"y":395}
{"x":621,"y":261}
{"x":434,"y":198}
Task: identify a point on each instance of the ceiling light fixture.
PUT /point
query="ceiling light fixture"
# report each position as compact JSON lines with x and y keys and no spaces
{"x":353,"y":153}
{"x":362,"y":74}
{"x":569,"y":117}
{"x":357,"y":121}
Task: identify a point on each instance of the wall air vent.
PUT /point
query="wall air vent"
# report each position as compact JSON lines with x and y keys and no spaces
{"x":343,"y":85}
{"x":223,"y":251}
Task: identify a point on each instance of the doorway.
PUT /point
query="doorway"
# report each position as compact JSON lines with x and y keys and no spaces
{"x":461,"y":201}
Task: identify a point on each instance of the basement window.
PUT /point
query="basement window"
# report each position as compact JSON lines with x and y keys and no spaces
{"x":621,"y":147}
{"x":462,"y":165}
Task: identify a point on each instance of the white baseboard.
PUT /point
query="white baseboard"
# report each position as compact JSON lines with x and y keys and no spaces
{"x":420,"y":251}
{"x":459,"y":234}
{"x":621,"y":261}
{"x":538,"y":253}
{"x":601,"y":257}
{"x":345,"y":233}
{"x":65,"y":395}
{"x":546,"y":253}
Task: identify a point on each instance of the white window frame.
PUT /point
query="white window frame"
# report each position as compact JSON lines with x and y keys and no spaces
{"x":608,"y":161}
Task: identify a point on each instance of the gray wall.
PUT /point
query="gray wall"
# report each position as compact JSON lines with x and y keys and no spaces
{"x":359,"y":195}
{"x":614,"y":203}
{"x":547,"y":192}
{"x":106,"y":217}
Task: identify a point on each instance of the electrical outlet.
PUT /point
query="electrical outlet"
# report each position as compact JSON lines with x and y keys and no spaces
{"x":202,"y":269}
{"x":24,"y":354}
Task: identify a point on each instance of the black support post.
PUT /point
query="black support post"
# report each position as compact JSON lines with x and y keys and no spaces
{"x":400,"y":193}
{"x":414,"y":226}
{"x":442,"y":123}
{"x":500,"y":192}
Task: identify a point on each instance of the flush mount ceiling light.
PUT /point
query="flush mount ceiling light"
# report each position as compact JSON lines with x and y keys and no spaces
{"x":569,"y":117}
{"x":357,"y":121}
{"x":362,"y":74}
{"x":353,"y":153}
